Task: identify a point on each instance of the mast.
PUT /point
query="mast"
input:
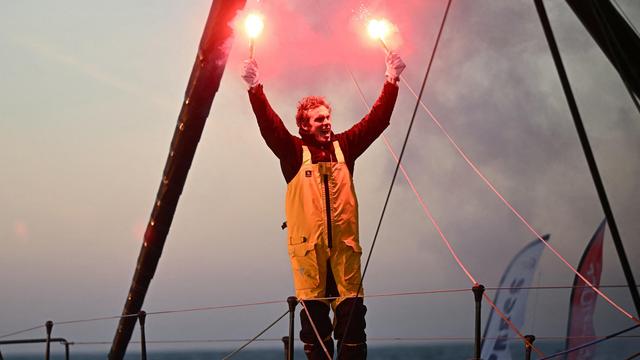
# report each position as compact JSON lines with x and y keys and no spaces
{"x":203,"y":84}
{"x":586,"y":147}
{"x":617,"y":39}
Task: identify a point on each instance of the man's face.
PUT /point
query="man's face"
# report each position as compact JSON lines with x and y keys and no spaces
{"x":319,"y":125}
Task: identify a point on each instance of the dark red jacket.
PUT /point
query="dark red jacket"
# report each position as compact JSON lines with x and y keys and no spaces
{"x":353,"y":142}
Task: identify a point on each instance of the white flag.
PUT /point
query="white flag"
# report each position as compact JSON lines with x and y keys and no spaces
{"x":511,"y":301}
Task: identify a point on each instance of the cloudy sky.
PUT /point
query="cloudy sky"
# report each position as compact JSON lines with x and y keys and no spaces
{"x":89,"y":97}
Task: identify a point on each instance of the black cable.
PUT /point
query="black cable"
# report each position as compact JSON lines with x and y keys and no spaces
{"x":255,"y":337}
{"x":589,"y":156}
{"x":395,"y":173}
{"x":591,"y":343}
{"x":633,"y":356}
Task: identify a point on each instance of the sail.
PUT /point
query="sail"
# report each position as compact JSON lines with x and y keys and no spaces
{"x":583,"y":299}
{"x":511,"y":301}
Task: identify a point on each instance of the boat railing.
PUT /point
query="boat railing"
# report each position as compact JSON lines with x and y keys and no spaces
{"x":291,"y":302}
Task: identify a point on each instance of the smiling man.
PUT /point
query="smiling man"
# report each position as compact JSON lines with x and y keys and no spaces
{"x":322,"y":209}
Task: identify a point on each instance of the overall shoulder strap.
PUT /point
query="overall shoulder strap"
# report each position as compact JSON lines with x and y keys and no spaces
{"x":306,"y":155}
{"x":338,"y":151}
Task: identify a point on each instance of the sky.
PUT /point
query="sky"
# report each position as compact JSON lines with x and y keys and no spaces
{"x":89,"y":97}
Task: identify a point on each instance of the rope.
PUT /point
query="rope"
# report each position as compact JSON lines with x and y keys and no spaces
{"x":591,"y":342}
{"x":215,"y":307}
{"x":94,"y":319}
{"x":633,"y":356}
{"x":369,"y":338}
{"x":553,"y":287}
{"x":395,"y":172}
{"x":428,"y":212}
{"x":434,"y":222}
{"x":593,"y":168}
{"x":511,"y":325}
{"x":255,"y":337}
{"x":508,"y":204}
{"x":21,"y":331}
{"x":370,"y":296}
{"x":315,"y":330}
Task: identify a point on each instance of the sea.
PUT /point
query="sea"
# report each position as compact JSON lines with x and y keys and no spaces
{"x":616,"y":349}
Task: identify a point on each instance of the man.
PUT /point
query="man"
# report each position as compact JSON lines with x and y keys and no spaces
{"x":322,"y":209}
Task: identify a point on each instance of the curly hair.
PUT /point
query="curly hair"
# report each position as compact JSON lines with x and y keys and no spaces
{"x":308,"y":103}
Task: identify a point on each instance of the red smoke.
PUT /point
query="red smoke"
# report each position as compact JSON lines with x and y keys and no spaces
{"x":303,"y":40}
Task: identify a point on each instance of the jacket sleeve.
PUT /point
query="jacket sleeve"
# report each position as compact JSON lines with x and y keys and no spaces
{"x":369,"y":128}
{"x":272,"y":129}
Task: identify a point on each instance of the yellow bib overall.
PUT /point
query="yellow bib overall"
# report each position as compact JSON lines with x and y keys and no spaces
{"x":322,"y":222}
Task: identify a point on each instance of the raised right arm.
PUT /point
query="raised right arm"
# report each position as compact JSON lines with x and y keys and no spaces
{"x":272,"y":129}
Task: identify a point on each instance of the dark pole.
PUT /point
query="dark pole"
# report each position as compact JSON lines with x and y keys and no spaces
{"x":528,"y":345}
{"x":292,"y":301}
{"x":142,"y":315}
{"x":616,"y":38}
{"x":49,"y":326}
{"x":586,"y":147}
{"x":478,"y":290}
{"x":203,"y":84}
{"x":66,"y":350}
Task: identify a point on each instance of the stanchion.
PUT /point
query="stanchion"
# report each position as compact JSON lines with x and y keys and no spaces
{"x":285,"y":341}
{"x":292,"y":301}
{"x":143,"y":341}
{"x":66,"y":351}
{"x":49,"y":326}
{"x":478,"y":290}
{"x":528,"y":345}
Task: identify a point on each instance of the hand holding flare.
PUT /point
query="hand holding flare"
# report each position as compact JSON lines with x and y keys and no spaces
{"x":250,"y":73}
{"x":253,"y":25}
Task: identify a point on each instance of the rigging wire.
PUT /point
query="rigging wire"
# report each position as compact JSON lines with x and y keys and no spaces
{"x":437,"y":226}
{"x":507,"y":320}
{"x":591,"y":343}
{"x":94,"y":319}
{"x":593,"y":168}
{"x":633,"y":356}
{"x":508,"y":204}
{"x":395,"y":172}
{"x":215,"y":307}
{"x":369,"y":296}
{"x":435,"y":223}
{"x":393,"y":338}
{"x":424,"y":206}
{"x":535,"y":304}
{"x":21,"y":331}
{"x":255,"y":337}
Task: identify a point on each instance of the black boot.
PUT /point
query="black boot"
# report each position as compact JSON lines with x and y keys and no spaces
{"x":352,"y":351}
{"x":316,"y":352}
